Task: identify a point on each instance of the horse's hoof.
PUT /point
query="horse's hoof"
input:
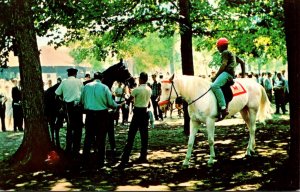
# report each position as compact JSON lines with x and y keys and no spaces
{"x":185,"y":166}
{"x":211,"y":162}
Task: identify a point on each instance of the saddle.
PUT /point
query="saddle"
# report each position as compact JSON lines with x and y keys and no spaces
{"x":227,"y":91}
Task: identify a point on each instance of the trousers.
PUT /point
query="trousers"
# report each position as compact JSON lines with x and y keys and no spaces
{"x":216,"y":88}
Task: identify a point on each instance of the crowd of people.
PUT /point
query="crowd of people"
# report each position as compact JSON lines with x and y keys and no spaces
{"x":91,"y":99}
{"x":95,"y":99}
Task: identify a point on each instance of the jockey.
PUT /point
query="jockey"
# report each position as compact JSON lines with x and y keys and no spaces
{"x":225,"y":74}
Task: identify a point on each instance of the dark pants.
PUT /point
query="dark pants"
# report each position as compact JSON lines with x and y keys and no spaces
{"x":156,"y":110}
{"x":139,"y":122}
{"x":125,"y":113}
{"x":18,"y":117}
{"x":269,"y":94}
{"x":2,"y":116}
{"x":279,"y":100}
{"x":55,"y":120}
{"x":186,"y":116}
{"x":96,"y":125}
{"x":74,"y":128}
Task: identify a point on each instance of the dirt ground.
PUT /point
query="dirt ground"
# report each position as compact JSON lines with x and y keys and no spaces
{"x":167,"y":148}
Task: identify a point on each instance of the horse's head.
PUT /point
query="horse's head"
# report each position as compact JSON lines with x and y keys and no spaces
{"x":118,"y":72}
{"x":168,"y":92}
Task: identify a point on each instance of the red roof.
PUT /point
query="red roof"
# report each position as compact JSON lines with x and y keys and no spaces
{"x":49,"y":57}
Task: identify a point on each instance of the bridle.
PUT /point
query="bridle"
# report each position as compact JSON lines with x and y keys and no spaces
{"x":177,"y":96}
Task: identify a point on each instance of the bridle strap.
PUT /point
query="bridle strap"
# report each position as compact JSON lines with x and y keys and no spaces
{"x":169,"y":81}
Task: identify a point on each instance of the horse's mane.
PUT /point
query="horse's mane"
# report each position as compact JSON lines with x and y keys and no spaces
{"x":190,"y":81}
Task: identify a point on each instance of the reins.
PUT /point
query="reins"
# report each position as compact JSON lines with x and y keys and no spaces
{"x":172,"y":86}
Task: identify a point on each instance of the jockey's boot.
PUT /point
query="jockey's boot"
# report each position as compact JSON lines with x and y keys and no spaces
{"x":223,"y":113}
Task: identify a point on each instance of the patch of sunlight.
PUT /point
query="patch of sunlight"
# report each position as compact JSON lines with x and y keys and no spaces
{"x":171,"y":184}
{"x":22,"y":184}
{"x":239,"y":155}
{"x":271,"y":169}
{"x":243,"y":175}
{"x":20,"y":176}
{"x":33,"y":182}
{"x":61,"y":185}
{"x":103,"y":182}
{"x":15,"y":134}
{"x":161,"y":155}
{"x":157,"y":166}
{"x":38,"y":172}
{"x":270,"y":152}
{"x":246,"y":187}
{"x":285,"y":117}
{"x":190,"y":185}
{"x":134,"y":181}
{"x":281,"y":144}
{"x":140,"y":188}
{"x":228,"y":141}
{"x":230,"y":122}
{"x":48,"y":175}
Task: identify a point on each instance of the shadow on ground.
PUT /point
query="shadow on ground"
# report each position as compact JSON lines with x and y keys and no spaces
{"x":167,"y":148}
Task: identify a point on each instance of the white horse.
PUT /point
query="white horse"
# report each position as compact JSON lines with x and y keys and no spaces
{"x":251,"y":101}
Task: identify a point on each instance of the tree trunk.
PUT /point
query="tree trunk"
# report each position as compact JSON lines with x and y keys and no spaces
{"x":36,"y":141}
{"x":186,"y":38}
{"x":292,"y":27}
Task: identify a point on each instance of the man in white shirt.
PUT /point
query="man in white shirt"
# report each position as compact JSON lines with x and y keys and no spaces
{"x":141,"y":96}
{"x":70,"y":90}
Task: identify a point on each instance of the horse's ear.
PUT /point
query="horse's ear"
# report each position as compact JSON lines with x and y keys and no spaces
{"x":172,"y":77}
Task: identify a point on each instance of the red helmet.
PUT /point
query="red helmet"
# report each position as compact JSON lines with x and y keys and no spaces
{"x":222,"y":41}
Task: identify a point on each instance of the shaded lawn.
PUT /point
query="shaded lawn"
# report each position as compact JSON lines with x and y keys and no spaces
{"x":167,"y":148}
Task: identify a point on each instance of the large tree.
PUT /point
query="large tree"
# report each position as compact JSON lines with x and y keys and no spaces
{"x":36,"y":141}
{"x":292,"y":26}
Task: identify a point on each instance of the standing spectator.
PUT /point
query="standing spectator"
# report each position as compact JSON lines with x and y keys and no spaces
{"x":279,"y":93}
{"x":120,"y":95}
{"x":262,"y":79}
{"x":274,"y":78}
{"x":96,"y":99}
{"x":87,"y":79}
{"x":268,"y":86}
{"x":141,"y":96}
{"x":3,"y":99}
{"x":8,"y":106}
{"x":156,"y":92}
{"x":17,"y":106}
{"x":70,"y":89}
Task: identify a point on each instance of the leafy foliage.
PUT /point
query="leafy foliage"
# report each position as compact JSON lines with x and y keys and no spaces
{"x":255,"y":28}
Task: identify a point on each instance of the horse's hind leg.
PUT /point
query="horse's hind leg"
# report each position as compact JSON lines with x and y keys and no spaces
{"x":249,"y":115}
{"x":193,"y":131}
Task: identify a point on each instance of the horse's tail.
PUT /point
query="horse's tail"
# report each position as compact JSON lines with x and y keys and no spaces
{"x":265,"y":110}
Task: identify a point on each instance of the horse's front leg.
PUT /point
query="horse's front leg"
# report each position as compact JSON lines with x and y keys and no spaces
{"x":193,"y":131}
{"x":210,"y":126}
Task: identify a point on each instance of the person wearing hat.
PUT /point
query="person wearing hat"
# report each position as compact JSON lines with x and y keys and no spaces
{"x":96,"y":99}
{"x":225,"y":74}
{"x":141,"y":96}
{"x":70,"y":91}
{"x":156,"y":92}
